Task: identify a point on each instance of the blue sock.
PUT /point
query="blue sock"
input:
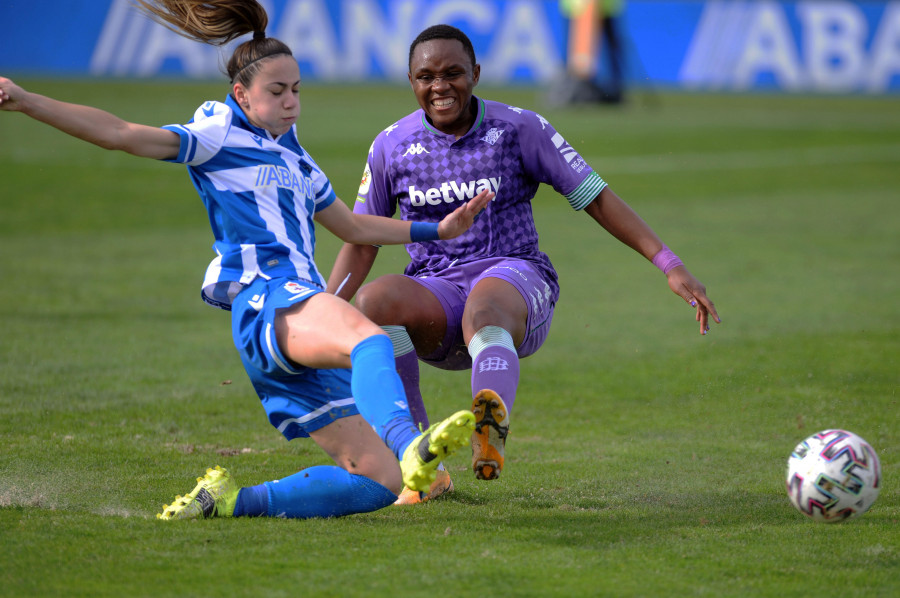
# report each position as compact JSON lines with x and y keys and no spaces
{"x":323,"y":491}
{"x":252,"y":501}
{"x":379,"y":393}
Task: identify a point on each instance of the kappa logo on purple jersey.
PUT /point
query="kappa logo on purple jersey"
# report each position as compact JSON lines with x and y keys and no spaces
{"x":415,"y":149}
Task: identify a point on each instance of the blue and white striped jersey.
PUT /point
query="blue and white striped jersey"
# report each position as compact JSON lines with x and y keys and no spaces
{"x":261,"y":194}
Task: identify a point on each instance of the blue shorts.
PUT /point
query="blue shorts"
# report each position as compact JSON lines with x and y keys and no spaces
{"x":297,"y":399}
{"x":452,"y":287}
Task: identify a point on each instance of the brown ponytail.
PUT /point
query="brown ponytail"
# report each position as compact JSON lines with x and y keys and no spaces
{"x":218,"y":22}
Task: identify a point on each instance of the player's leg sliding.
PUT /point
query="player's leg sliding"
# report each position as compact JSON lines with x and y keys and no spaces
{"x":422,"y":456}
{"x":380,"y":399}
{"x":407,"y":364}
{"x":330,"y":491}
{"x":495,"y":378}
{"x":320,"y":491}
{"x":489,"y":437}
{"x":379,"y":393}
{"x":324,"y":491}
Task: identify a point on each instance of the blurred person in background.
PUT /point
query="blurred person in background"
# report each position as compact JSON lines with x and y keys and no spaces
{"x":595,"y":61}
{"x":486,"y":299}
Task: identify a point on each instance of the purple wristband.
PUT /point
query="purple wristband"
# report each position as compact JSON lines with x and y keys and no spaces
{"x":423,"y":231}
{"x":665,"y":260}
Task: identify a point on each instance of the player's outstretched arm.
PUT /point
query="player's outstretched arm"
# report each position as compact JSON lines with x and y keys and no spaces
{"x":364,"y":229}
{"x":623,"y":223}
{"x":90,"y":124}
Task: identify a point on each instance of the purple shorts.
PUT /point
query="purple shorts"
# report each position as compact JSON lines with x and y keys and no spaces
{"x":452,"y":287}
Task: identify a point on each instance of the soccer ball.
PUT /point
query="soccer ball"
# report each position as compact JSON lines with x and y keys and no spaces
{"x":833,"y":476}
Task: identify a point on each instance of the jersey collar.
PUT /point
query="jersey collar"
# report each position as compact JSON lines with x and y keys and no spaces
{"x":479,"y":118}
{"x":242,"y":120}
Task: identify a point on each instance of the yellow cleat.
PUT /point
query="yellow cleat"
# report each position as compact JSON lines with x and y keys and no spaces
{"x":214,"y":496}
{"x":425,"y":453}
{"x":489,"y":437}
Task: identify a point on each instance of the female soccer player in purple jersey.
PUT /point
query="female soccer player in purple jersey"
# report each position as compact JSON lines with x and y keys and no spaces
{"x":485,"y":299}
{"x":262,"y":191}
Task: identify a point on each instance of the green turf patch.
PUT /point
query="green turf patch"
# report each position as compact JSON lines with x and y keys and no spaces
{"x":643,"y":458}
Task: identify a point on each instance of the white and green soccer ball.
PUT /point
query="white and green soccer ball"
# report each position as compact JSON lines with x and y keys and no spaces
{"x":833,"y":476}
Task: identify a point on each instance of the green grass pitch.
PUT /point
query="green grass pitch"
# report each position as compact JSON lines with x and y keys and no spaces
{"x":643,"y":459}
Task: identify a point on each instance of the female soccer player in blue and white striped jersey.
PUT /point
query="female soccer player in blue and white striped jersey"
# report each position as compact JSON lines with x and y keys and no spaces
{"x":263,"y":192}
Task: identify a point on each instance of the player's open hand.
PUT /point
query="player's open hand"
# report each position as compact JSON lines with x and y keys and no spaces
{"x":9,"y":94}
{"x":693,"y":292}
{"x":460,"y":220}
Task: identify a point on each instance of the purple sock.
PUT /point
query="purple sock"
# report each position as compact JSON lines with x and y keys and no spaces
{"x":497,"y":368}
{"x":408,"y":369}
{"x":407,"y":363}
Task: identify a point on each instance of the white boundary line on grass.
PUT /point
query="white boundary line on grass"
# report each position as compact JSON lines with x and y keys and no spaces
{"x":747,"y":159}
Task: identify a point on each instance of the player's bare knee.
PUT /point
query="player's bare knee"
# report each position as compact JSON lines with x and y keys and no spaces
{"x":485,"y":314}
{"x":379,"y":302}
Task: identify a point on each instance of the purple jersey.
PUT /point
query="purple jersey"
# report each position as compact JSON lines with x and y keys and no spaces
{"x":508,"y":150}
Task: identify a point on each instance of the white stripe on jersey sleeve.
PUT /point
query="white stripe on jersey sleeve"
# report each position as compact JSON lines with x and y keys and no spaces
{"x":202,"y":138}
